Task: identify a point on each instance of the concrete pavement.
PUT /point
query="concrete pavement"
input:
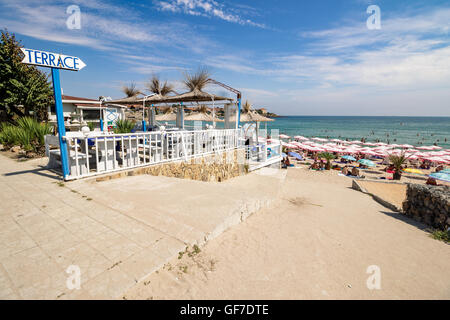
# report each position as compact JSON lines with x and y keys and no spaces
{"x":117,"y":232}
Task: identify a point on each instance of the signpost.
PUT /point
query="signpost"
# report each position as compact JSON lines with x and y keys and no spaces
{"x":56,"y":61}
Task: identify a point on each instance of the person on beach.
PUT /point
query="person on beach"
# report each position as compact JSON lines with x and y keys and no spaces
{"x":314,"y":166}
{"x":431,"y":182}
{"x":355,"y":172}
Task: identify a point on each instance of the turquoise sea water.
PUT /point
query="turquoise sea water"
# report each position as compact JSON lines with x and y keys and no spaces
{"x":400,"y":130}
{"x":416,"y":131}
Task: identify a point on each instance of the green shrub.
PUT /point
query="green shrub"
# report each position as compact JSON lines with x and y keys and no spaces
{"x":124,"y":126}
{"x":91,"y":125}
{"x":28,"y":133}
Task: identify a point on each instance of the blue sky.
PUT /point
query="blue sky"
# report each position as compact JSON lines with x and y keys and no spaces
{"x":293,"y":57}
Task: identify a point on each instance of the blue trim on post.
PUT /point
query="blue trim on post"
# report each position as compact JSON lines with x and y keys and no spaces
{"x":239,"y":113}
{"x":144,"y":126}
{"x":101,"y":122}
{"x":60,"y":121}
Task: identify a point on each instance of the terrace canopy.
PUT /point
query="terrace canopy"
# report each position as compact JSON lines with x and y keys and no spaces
{"x":157,"y":98}
{"x":195,"y":96}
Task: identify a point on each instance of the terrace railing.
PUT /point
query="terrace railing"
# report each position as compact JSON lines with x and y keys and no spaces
{"x":96,"y":154}
{"x":262,"y":155}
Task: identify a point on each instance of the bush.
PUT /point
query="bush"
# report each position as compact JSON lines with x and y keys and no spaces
{"x":91,"y":125}
{"x":124,"y":126}
{"x":28,"y":133}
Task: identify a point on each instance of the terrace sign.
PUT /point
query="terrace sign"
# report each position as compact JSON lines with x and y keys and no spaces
{"x":56,"y":61}
{"x":52,"y":60}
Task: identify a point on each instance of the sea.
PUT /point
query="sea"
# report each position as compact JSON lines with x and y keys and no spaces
{"x":417,"y":131}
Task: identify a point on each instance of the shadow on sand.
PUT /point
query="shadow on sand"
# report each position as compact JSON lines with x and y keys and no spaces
{"x":406,"y":219}
{"x":42,"y":171}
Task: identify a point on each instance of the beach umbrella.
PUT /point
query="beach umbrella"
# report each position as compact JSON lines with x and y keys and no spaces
{"x":350,"y":158}
{"x":169,"y":115}
{"x":300,"y":138}
{"x":283,"y":136}
{"x":407,"y":146}
{"x":369,"y":144}
{"x":295,"y":155}
{"x":412,"y":170}
{"x":319,"y":139}
{"x":202,"y":114}
{"x":367,"y":162}
{"x":425,"y":148}
{"x":440,"y":176}
{"x":445,"y":171}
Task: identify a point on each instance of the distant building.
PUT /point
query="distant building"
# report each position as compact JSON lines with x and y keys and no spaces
{"x":77,"y":110}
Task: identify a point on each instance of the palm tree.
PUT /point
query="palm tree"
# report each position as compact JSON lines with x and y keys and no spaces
{"x":130,"y":90}
{"x":327,"y":156}
{"x":156,"y":86}
{"x":398,"y":161}
{"x":198,"y":80}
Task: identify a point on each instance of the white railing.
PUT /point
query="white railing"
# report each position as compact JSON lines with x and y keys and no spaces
{"x":262,"y":155}
{"x":99,"y":153}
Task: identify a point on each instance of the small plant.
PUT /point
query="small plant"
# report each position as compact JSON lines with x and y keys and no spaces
{"x":327,"y":156}
{"x":91,"y":125}
{"x":124,"y":126}
{"x":184,"y":268}
{"x":196,"y":249}
{"x":398,"y":161}
{"x":441,"y":235}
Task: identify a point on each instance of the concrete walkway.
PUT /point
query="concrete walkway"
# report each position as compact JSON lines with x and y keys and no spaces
{"x":117,"y":232}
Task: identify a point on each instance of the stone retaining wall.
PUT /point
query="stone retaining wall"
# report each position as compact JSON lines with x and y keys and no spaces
{"x":428,"y":204}
{"x":216,"y":167}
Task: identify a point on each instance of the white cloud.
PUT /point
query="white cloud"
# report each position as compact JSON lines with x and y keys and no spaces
{"x":206,"y":8}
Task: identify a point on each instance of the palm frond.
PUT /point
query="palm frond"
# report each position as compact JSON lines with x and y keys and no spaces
{"x":197,"y":80}
{"x":130,"y":90}
{"x":154,"y":85}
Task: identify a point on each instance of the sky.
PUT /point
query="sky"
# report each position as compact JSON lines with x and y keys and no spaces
{"x":293,"y":57}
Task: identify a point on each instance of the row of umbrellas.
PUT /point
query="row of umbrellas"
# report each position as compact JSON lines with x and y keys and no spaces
{"x":429,"y":153}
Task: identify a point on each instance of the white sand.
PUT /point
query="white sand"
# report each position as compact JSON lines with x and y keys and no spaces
{"x":315,"y":244}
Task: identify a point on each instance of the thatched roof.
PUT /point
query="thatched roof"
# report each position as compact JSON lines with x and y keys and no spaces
{"x":195,"y":96}
{"x":201,"y":116}
{"x":260,"y":118}
{"x":249,"y":115}
{"x":157,"y":98}
{"x":169,"y":116}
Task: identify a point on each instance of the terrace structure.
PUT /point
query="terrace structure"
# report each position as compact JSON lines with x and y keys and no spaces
{"x":152,"y":143}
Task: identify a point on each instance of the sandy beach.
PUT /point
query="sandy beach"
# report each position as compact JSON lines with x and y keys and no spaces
{"x":315,"y":243}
